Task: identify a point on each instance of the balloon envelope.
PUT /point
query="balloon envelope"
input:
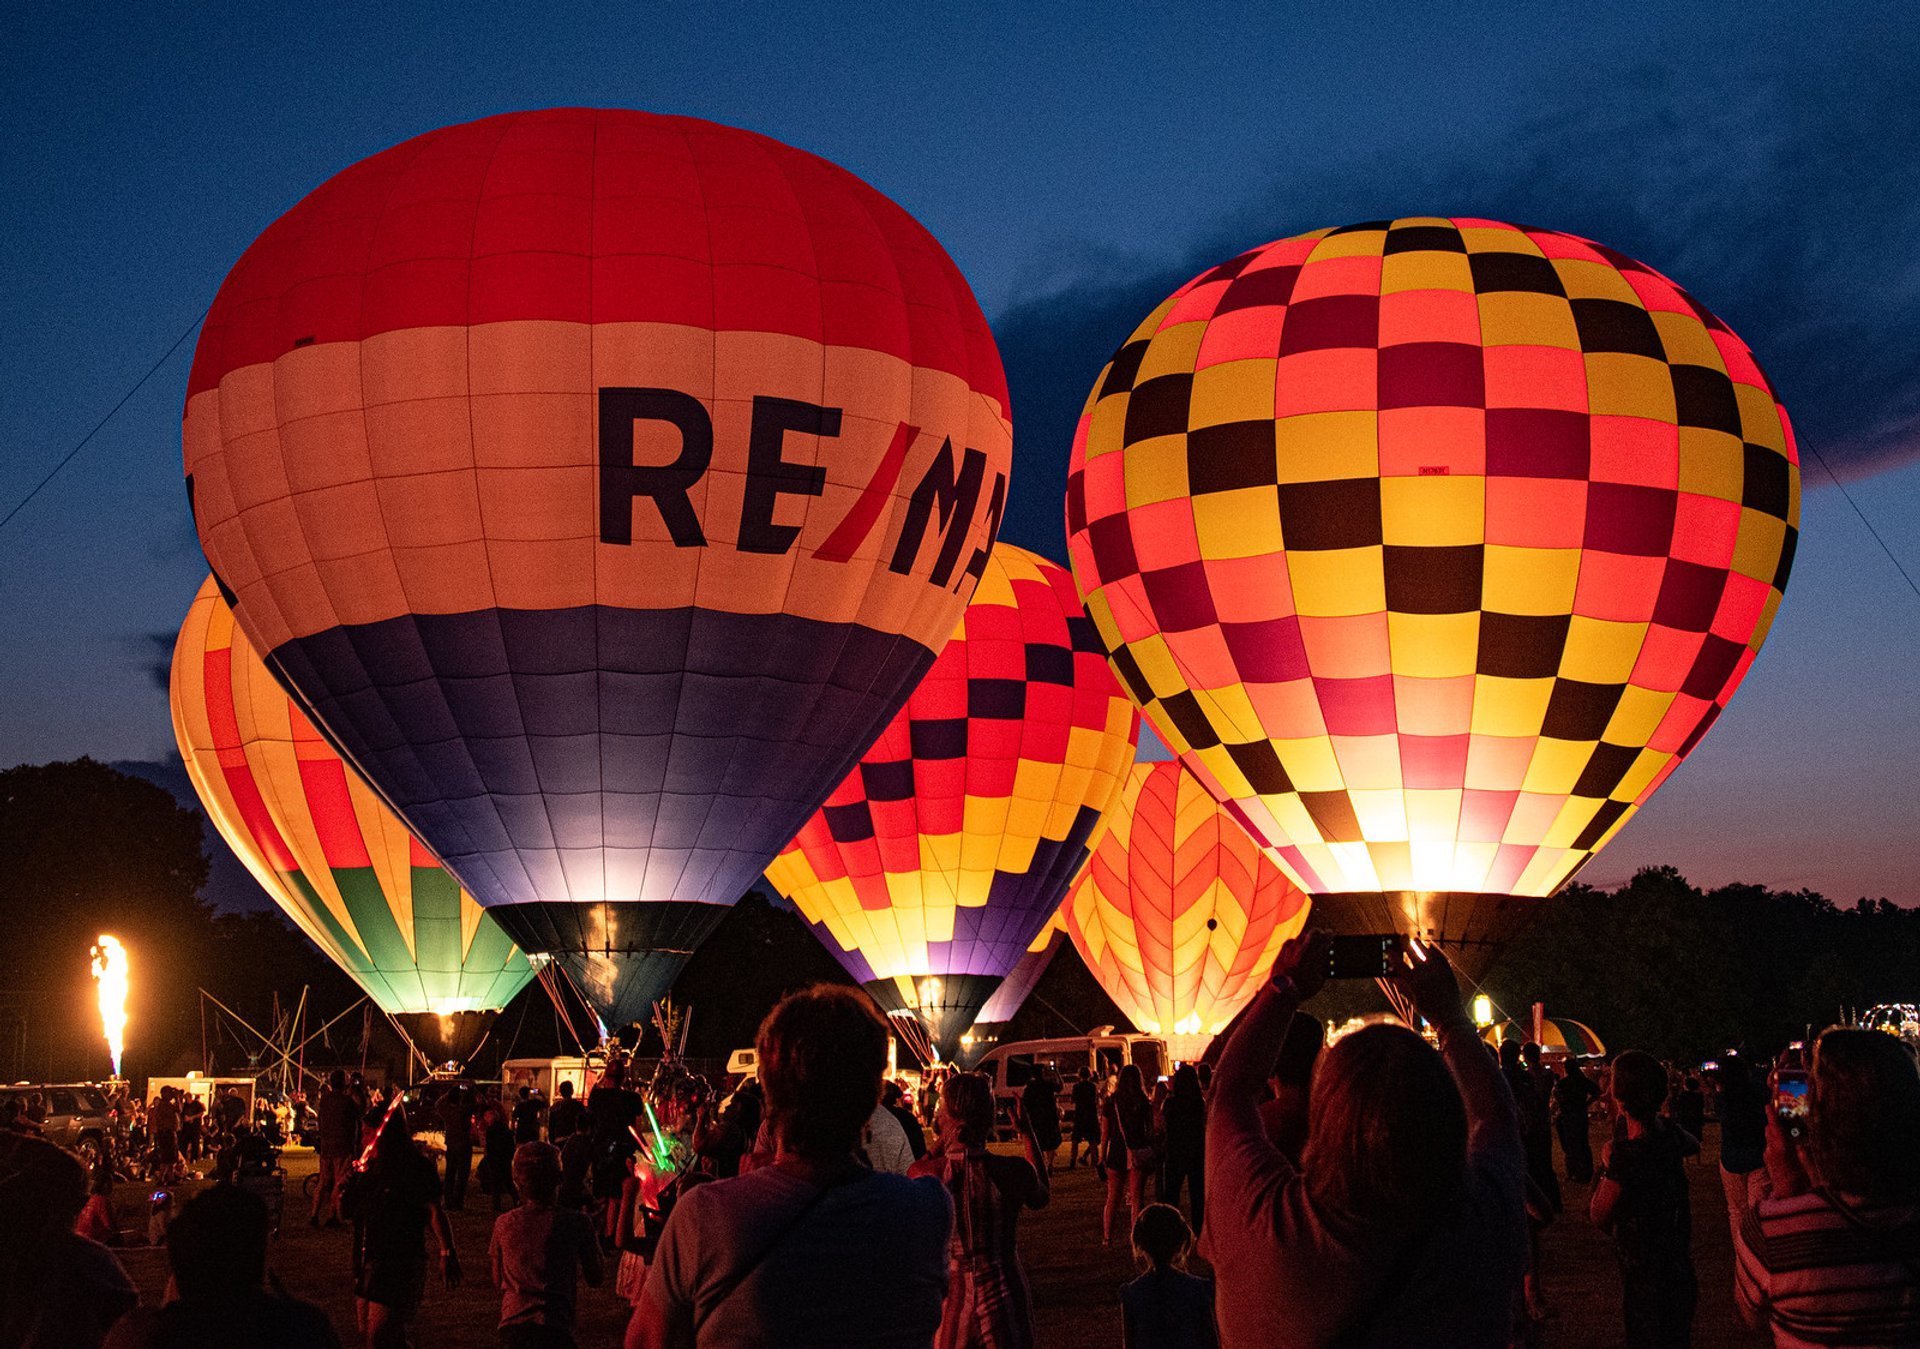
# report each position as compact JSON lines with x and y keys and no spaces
{"x":933,"y":866}
{"x":1432,"y":546}
{"x":332,"y":856}
{"x":1179,"y":913}
{"x":600,"y":482}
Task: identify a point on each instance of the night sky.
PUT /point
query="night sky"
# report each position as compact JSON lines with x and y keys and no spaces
{"x":1078,"y":162}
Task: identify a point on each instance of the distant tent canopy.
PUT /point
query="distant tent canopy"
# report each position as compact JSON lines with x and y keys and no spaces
{"x":1560,"y":1034}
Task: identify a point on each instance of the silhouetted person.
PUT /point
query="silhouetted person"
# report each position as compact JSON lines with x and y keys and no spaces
{"x":58,"y":1290}
{"x":894,"y":1098}
{"x":455,"y":1110}
{"x":394,"y":1202}
{"x":1641,"y":1201}
{"x":1186,"y":1129}
{"x":1166,"y":1307}
{"x":338,"y":1143}
{"x":987,"y":1299}
{"x":1086,"y":1123}
{"x":1126,"y":1148}
{"x":528,"y":1111}
{"x":1743,"y":1123}
{"x":539,"y":1254}
{"x":1827,"y":1244}
{"x":563,"y":1116}
{"x":1533,"y":1096}
{"x":1573,"y":1095}
{"x":813,"y":1247}
{"x":1403,"y":1223}
{"x":217,"y":1252}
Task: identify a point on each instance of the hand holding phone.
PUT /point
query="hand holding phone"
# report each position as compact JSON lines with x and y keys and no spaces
{"x":1790,"y":1102}
{"x":1369,"y":956}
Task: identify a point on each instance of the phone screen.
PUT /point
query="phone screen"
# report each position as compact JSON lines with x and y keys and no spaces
{"x":1790,"y":1103}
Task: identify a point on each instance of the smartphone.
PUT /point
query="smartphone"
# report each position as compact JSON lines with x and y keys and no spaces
{"x":1790,"y":1102}
{"x":1370,"y":956}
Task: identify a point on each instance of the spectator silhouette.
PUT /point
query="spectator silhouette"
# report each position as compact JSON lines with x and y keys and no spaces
{"x":1186,"y":1130}
{"x":813,"y":1249}
{"x":58,"y":1290}
{"x":1573,"y":1095}
{"x":1166,"y":1307}
{"x":1641,"y":1201}
{"x":1402,"y":1224}
{"x":217,"y":1253}
{"x":394,"y":1202}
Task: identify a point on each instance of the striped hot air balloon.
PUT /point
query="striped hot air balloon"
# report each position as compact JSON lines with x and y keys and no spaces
{"x":1179,"y":913}
{"x":933,"y":866}
{"x":600,"y":483}
{"x":332,"y":856}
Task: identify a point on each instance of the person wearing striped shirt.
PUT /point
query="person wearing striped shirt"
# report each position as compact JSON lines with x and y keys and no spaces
{"x":1827,"y":1233}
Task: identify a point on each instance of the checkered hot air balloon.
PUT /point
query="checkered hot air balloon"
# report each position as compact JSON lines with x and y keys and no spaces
{"x":1178,"y":912}
{"x":935,"y":864}
{"x":599,"y":482}
{"x":331,"y":855}
{"x":1432,"y":547}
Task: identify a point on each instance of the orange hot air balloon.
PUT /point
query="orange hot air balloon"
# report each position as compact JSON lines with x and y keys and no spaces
{"x":336,"y":860}
{"x":1432,"y":547}
{"x":1178,"y":912}
{"x":600,"y":482}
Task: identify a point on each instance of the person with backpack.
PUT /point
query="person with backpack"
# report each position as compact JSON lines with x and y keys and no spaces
{"x":813,"y":1248}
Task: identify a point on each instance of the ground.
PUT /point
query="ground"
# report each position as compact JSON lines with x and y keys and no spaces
{"x":1075,"y":1280}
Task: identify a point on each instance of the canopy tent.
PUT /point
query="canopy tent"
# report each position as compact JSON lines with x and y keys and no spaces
{"x":1560,"y":1034}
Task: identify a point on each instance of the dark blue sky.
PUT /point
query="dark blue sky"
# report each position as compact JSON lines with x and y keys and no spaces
{"x":1077,"y":161}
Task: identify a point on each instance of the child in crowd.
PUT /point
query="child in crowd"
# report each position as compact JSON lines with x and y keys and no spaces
{"x":1166,"y":1307}
{"x":539,"y":1253}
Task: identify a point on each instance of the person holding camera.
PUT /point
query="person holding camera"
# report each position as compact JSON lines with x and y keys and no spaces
{"x":1404,"y":1221}
{"x":1827,"y":1236}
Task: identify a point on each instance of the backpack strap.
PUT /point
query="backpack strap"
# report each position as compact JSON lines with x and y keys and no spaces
{"x":730,"y":1285}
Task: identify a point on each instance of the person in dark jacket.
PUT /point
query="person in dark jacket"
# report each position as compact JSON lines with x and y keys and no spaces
{"x":1186,"y":1120}
{"x":1572,"y":1095}
{"x":1040,"y":1103}
{"x":1641,"y":1200}
{"x":338,"y":1143}
{"x":456,"y":1124}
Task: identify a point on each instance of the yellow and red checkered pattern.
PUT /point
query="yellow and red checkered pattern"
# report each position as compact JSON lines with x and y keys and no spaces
{"x":1178,"y":912}
{"x":948,"y":848}
{"x":1432,"y":546}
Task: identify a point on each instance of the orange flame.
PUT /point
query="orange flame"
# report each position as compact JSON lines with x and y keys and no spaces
{"x":110,"y":973}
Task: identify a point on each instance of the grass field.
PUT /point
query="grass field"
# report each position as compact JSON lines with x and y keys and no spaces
{"x":1075,"y":1282}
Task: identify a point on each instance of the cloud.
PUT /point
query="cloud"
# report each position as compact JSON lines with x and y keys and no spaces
{"x":1782,"y":200}
{"x":156,"y":657}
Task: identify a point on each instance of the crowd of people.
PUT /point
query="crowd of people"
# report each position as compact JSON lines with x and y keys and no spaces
{"x":1386,"y":1189}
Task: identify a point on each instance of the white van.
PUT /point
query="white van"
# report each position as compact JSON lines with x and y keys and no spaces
{"x":1103,"y":1053}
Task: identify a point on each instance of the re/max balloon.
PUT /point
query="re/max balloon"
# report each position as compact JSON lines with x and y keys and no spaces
{"x":1432,"y":547}
{"x":1178,"y":912}
{"x":600,"y":482}
{"x":336,"y":860}
{"x":930,"y":869}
